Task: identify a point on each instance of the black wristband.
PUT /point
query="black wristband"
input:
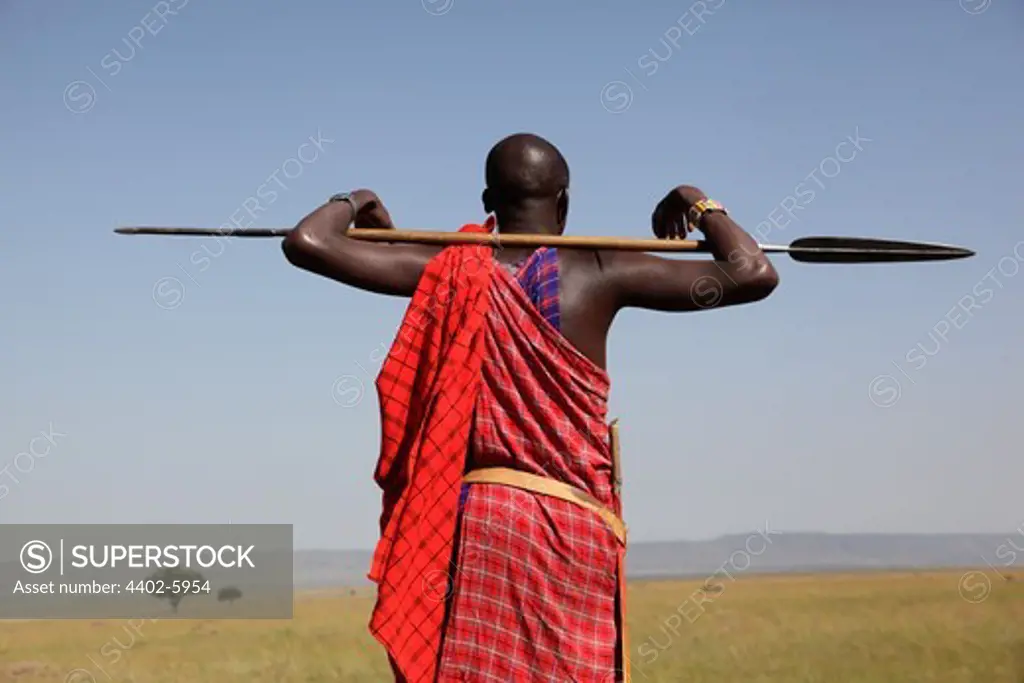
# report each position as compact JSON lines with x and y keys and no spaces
{"x":346,"y":197}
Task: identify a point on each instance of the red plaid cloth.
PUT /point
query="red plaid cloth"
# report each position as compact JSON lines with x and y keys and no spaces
{"x":533,"y":596}
{"x":530,"y":592}
{"x":427,"y":387}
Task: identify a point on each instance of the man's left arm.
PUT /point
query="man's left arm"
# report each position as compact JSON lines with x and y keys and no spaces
{"x":319,"y":244}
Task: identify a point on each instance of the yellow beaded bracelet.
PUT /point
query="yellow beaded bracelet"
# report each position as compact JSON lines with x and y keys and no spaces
{"x":699,"y":209}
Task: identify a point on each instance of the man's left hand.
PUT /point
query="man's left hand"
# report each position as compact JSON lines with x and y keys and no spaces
{"x":372,"y":213}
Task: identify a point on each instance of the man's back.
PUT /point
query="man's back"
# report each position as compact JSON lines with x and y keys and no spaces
{"x":586,"y":308}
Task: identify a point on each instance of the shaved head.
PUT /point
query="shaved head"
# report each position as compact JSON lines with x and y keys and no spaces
{"x":526,"y":166}
{"x":527,"y":174}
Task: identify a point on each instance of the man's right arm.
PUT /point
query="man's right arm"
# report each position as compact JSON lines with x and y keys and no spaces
{"x":741,"y":273}
{"x":319,"y":245}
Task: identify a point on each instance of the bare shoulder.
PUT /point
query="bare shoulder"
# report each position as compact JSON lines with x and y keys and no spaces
{"x":590,"y":264}
{"x":586,"y":276}
{"x":604,"y":267}
{"x":587,"y":260}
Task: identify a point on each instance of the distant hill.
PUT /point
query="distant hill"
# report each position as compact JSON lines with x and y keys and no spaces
{"x":786,"y":552}
{"x":738,"y":554}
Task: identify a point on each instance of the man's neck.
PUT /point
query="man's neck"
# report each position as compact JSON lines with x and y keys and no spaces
{"x":528,"y":225}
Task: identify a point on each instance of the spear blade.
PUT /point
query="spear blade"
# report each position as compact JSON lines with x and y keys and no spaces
{"x":870,"y":250}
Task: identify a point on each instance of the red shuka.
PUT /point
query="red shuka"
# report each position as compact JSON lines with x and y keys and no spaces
{"x":532,"y":590}
{"x":535,"y":589}
{"x":428,"y":387}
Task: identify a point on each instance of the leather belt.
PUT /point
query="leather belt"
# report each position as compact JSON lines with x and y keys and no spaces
{"x":548,"y":487}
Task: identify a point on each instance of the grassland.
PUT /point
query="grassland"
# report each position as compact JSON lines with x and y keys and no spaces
{"x":853,"y":628}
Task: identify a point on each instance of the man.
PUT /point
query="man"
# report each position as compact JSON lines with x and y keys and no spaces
{"x":501,"y":540}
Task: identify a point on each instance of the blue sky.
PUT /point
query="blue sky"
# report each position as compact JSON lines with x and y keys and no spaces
{"x":197,"y":381}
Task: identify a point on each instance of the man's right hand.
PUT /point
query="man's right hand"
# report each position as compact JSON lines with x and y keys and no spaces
{"x":669,"y":218}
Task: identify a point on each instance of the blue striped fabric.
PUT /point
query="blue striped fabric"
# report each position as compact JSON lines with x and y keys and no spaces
{"x":539,"y":279}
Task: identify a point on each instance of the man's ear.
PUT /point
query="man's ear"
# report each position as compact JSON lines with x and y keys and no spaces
{"x":563,"y":206}
{"x":488,"y":204}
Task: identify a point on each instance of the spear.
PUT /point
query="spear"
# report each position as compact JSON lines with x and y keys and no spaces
{"x":804,"y":249}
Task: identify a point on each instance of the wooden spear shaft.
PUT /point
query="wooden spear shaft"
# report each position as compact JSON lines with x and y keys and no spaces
{"x":444,"y":238}
{"x":497,"y":239}
{"x":805,"y":249}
